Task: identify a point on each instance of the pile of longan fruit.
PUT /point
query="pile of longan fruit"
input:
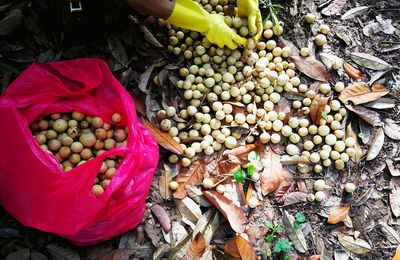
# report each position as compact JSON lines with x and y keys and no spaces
{"x":75,"y":138}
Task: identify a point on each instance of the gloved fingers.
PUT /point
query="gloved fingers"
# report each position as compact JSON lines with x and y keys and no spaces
{"x":259,"y":25}
{"x":252,"y":23}
{"x":231,"y":45}
{"x":238,"y":40}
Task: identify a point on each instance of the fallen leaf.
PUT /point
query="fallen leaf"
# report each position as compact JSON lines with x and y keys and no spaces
{"x":161,"y":251}
{"x":179,"y":251}
{"x":149,"y":37}
{"x":118,"y":50}
{"x":394,"y":197}
{"x":317,"y":106}
{"x":189,"y":209}
{"x":369,"y":61}
{"x":368,"y":115}
{"x":381,"y":103}
{"x":272,"y":174}
{"x":357,"y":155}
{"x":352,"y":72}
{"x":295,"y":235}
{"x":335,"y":7}
{"x":393,"y":169}
{"x":191,"y":140}
{"x":164,"y":139}
{"x":197,"y":195}
{"x":232,"y":159}
{"x":381,"y":25}
{"x":390,"y":233}
{"x":295,"y":197}
{"x":163,"y":183}
{"x":338,"y":214}
{"x":397,"y":254}
{"x":11,"y":22}
{"x":162,"y":217}
{"x":310,"y":67}
{"x":353,"y":12}
{"x":196,"y":248}
{"x":376,"y":145}
{"x":294,"y":160}
{"x":328,"y":59}
{"x":357,"y":246}
{"x":177,"y":233}
{"x":231,"y":212}
{"x":239,"y":248}
{"x":62,"y":252}
{"x":392,"y":130}
{"x":360,"y":93}
{"x":283,"y":192}
{"x":189,"y":176}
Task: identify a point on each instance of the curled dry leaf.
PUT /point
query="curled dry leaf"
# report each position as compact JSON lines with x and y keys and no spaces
{"x":354,"y":12}
{"x":272,"y":174}
{"x":163,"y":183}
{"x":338,"y":214}
{"x":390,"y":233}
{"x":162,"y":217}
{"x":352,"y":72}
{"x":164,"y":139}
{"x":376,"y":145}
{"x":357,"y":155}
{"x":231,"y":212}
{"x":360,"y":93}
{"x":393,"y":169}
{"x":392,"y":130}
{"x":335,"y":7}
{"x":189,"y":176}
{"x":239,"y":248}
{"x":317,"y":106}
{"x":394,"y":197}
{"x":232,"y":159}
{"x":196,"y":248}
{"x":189,"y":209}
{"x":368,"y":115}
{"x":357,"y":246}
{"x":283,"y":192}
{"x":381,"y":103}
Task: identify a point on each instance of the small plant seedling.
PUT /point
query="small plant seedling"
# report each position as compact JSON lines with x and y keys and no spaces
{"x":362,"y":136}
{"x":239,"y":176}
{"x":299,"y":218}
{"x":324,"y":115}
{"x":282,"y":246}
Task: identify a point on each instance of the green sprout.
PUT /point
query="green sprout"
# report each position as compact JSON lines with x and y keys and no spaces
{"x":299,"y":218}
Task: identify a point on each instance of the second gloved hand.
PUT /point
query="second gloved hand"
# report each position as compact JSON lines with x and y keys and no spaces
{"x":249,"y":9}
{"x":188,"y":14}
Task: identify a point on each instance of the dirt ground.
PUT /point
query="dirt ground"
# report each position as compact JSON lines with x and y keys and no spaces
{"x":44,"y":30}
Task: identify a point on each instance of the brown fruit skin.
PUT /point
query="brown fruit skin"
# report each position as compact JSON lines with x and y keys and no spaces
{"x":110,"y":173}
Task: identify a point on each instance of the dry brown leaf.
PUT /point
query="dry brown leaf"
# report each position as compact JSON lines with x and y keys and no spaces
{"x":394,"y":197}
{"x":272,"y":174}
{"x":368,"y":115}
{"x":376,"y":144}
{"x":283,"y":192}
{"x":397,"y":254}
{"x":314,"y":257}
{"x":338,"y":214}
{"x":191,"y":140}
{"x":335,"y":7}
{"x":189,"y":209}
{"x":352,"y":72}
{"x":357,"y":246}
{"x":295,"y":197}
{"x":196,"y":248}
{"x":350,"y":133}
{"x":239,"y":248}
{"x":231,"y":212}
{"x":317,"y":106}
{"x":162,"y":217}
{"x":232,"y":159}
{"x":310,"y":67}
{"x":164,"y":139}
{"x":393,"y":169}
{"x":189,"y":176}
{"x":360,"y":93}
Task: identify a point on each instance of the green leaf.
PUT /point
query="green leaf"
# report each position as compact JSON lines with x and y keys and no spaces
{"x":300,"y":217}
{"x":362,"y":136}
{"x":282,"y":246}
{"x":253,"y":157}
{"x":239,"y":176}
{"x":324,"y":115}
{"x":296,"y":225}
{"x":269,"y":224}
{"x":278,"y":229}
{"x":270,"y":238}
{"x":251,"y":169}
{"x":286,"y":258}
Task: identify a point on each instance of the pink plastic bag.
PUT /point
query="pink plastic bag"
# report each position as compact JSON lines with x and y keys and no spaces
{"x":33,"y":187}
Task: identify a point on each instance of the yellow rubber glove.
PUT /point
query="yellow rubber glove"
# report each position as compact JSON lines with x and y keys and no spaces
{"x":190,"y":15}
{"x":249,"y":9}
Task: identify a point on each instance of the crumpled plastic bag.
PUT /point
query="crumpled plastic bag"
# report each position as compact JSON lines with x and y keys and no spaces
{"x":33,"y":187}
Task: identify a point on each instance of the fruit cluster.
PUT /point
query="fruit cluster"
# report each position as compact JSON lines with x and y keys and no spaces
{"x":74,"y":138}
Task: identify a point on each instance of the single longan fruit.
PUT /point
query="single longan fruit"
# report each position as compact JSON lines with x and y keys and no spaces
{"x":97,"y":190}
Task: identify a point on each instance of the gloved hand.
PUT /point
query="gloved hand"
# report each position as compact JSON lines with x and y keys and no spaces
{"x":249,"y":9}
{"x":190,"y":15}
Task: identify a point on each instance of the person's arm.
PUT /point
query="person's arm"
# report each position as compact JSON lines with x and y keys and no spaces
{"x":157,"y":8}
